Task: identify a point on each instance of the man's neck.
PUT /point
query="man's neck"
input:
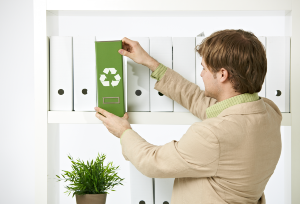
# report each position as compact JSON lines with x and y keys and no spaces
{"x":225,"y":96}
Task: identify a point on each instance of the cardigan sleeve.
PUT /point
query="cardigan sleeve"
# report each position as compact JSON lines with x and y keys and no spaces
{"x":184,"y":92}
{"x":196,"y":154}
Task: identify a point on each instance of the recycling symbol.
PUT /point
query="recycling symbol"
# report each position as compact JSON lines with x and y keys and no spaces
{"x":112,"y":71}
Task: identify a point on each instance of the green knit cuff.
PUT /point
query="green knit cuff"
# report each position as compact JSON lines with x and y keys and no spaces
{"x":123,"y":134}
{"x":159,"y":72}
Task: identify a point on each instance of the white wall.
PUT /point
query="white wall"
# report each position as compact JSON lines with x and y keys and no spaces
{"x":166,"y":24}
{"x":16,"y":102}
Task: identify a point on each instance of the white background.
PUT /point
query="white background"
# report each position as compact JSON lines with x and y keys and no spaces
{"x":16,"y":102}
{"x":85,"y":141}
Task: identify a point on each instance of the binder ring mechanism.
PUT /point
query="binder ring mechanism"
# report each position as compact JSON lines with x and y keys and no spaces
{"x":116,"y":98}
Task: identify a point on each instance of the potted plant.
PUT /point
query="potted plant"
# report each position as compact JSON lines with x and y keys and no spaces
{"x":91,"y":181}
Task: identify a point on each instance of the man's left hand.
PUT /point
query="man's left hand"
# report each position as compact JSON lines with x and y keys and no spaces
{"x":115,"y":125}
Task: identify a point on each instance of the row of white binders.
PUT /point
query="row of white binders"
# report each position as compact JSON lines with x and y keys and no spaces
{"x":73,"y":72}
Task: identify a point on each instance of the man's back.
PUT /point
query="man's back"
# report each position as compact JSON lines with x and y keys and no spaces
{"x":249,"y":140}
{"x":224,"y":159}
{"x":250,"y":145}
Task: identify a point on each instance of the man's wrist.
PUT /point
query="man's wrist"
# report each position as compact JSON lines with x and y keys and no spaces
{"x":152,"y":64}
{"x":123,"y":133}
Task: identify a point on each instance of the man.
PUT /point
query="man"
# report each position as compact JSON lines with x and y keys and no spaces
{"x":230,"y":155}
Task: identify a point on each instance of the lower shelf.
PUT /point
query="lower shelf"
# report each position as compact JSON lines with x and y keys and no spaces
{"x":162,"y":118}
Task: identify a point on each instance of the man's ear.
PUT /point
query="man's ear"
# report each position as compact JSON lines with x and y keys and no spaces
{"x":223,"y":75}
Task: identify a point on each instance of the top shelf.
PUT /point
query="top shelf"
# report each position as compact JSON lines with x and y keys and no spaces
{"x":169,"y":13}
{"x":169,"y":5}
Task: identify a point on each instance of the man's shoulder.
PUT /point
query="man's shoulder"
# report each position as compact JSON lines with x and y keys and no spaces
{"x":212,"y":128}
{"x":221,"y":126}
{"x":206,"y":129}
{"x":210,"y":123}
{"x":242,"y":119}
{"x":272,"y":105}
{"x":216,"y":123}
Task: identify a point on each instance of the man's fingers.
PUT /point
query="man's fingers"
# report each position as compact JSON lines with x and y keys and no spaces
{"x":125,"y":116}
{"x":127,"y":47}
{"x":103,"y":112}
{"x":100,"y":117}
{"x":127,"y":41}
{"x":128,"y":44}
{"x":125,"y":53}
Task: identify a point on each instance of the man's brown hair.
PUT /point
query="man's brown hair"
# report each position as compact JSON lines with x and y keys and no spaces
{"x":240,"y":53}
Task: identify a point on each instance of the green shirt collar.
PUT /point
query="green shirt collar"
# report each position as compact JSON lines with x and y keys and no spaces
{"x":216,"y":109}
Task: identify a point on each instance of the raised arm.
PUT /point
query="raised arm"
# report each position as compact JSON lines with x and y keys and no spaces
{"x":170,"y":83}
{"x":184,"y":92}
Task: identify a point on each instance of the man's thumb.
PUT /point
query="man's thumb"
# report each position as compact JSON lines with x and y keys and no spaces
{"x":124,"y":53}
{"x":125,"y":116}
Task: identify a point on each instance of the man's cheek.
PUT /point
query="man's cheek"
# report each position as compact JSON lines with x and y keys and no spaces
{"x":201,"y":74}
{"x":204,"y":80}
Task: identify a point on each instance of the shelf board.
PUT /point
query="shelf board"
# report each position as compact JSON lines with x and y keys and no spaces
{"x":170,"y":5}
{"x":169,"y":13}
{"x":162,"y":118}
{"x":167,"y":118}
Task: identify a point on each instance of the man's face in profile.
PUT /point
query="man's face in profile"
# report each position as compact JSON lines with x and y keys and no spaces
{"x":210,"y":83}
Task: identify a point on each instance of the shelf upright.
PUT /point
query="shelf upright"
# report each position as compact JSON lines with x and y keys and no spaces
{"x":41,"y":100}
{"x":42,"y":75}
{"x":295,"y":101}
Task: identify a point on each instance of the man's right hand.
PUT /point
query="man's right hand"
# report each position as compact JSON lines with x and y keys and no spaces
{"x":133,"y":50}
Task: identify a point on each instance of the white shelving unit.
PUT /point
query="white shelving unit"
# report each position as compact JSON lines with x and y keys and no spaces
{"x":176,"y":8}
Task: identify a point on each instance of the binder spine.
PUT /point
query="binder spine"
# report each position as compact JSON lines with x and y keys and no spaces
{"x":84,"y":73}
{"x":110,"y":84}
{"x":61,"y":73}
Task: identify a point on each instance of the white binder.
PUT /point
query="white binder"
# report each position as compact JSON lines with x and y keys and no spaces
{"x":84,"y":73}
{"x":199,"y":67}
{"x":262,"y":93}
{"x":163,"y":190}
{"x":138,"y":78}
{"x":161,"y":50}
{"x":163,"y":187}
{"x":278,"y":74}
{"x":61,"y":73}
{"x":141,"y":187}
{"x":184,"y":62}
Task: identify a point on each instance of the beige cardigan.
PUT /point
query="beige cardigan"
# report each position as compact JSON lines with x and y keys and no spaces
{"x":225,"y":159}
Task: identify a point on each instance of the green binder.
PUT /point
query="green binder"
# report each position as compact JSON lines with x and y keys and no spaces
{"x":110,"y":89}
